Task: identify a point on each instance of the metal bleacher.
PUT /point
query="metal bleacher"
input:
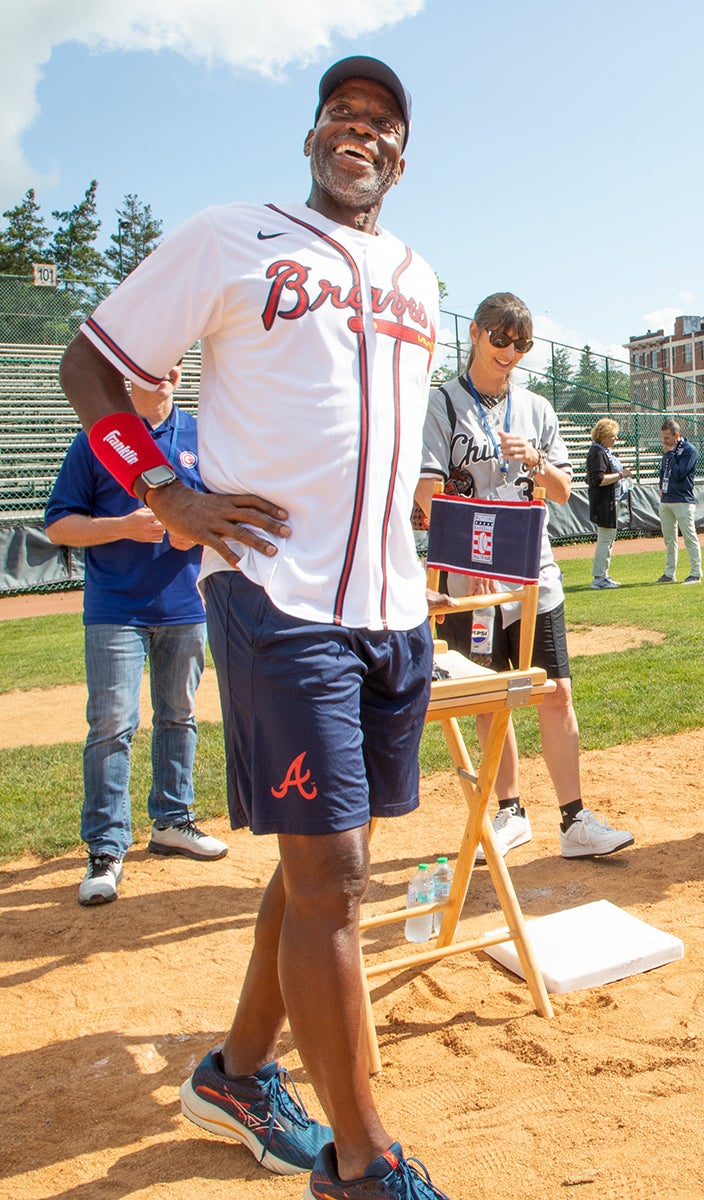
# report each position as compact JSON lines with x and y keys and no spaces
{"x":37,"y":425}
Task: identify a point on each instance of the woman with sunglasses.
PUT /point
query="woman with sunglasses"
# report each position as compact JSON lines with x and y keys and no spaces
{"x":488,"y":437}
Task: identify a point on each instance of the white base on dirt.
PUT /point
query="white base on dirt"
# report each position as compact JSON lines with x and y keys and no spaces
{"x":590,"y":945}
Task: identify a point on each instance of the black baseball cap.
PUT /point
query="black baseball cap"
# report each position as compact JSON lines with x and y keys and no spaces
{"x":362,"y":67}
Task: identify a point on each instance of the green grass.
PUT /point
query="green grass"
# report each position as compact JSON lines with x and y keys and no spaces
{"x":619,"y":698}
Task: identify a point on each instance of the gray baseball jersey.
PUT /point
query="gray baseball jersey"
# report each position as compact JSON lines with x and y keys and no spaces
{"x":460,"y":446}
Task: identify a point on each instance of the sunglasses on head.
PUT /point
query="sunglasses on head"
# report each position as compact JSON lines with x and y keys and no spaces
{"x":502,"y":340}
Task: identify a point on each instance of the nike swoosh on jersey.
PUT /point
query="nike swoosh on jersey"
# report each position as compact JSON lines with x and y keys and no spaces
{"x":264,"y":237}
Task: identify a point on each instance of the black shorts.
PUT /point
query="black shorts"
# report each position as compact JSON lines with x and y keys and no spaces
{"x":549,"y":646}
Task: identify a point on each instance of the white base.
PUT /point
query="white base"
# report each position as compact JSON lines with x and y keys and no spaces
{"x":590,"y":945}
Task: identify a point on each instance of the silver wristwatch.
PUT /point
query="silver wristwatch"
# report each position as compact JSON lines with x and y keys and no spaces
{"x":158,"y":477}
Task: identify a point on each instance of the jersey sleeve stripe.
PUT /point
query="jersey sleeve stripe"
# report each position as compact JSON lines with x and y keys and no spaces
{"x":132,"y":368}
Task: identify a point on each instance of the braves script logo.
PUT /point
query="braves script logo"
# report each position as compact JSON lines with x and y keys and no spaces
{"x":113,"y":439}
{"x":483,"y":537}
{"x":296,"y":778}
{"x":292,"y":295}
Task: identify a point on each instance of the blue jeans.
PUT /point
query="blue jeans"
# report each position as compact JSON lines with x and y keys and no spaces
{"x":115,"y":660}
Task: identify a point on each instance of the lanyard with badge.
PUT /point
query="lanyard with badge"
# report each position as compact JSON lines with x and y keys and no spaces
{"x":506,"y":490}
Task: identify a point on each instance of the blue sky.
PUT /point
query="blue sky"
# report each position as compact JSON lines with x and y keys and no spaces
{"x":555,"y":148}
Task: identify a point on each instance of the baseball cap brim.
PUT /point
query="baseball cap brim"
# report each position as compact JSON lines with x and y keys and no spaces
{"x":362,"y":67}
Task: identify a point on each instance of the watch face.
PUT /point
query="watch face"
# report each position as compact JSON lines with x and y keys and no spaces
{"x":157,"y":476}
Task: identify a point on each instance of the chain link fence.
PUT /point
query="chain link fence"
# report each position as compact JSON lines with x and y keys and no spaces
{"x":37,"y":424}
{"x":583,"y":386}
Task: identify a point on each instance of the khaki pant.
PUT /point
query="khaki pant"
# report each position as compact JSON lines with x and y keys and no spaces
{"x":672,"y":515}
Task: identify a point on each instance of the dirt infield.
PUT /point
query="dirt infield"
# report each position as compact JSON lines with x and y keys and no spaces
{"x":105,"y":1011}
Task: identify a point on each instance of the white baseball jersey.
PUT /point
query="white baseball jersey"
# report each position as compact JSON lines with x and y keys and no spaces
{"x":458,"y":447}
{"x":316,"y":348}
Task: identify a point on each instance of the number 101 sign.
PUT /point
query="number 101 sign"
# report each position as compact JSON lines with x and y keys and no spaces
{"x":44,"y":274}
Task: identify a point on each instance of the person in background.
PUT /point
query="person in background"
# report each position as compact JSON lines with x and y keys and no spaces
{"x":605,"y":476}
{"x":141,"y":604}
{"x":677,"y":504}
{"x":490,"y":438}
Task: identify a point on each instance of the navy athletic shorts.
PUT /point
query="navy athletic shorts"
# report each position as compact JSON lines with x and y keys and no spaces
{"x":322,"y":723}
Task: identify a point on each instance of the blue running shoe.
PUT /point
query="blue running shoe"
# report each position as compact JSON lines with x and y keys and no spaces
{"x":258,"y":1110}
{"x":389,"y":1177}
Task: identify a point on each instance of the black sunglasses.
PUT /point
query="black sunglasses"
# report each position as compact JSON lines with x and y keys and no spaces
{"x":502,"y":340}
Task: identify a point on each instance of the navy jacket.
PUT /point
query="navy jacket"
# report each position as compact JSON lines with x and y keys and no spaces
{"x":677,"y":473}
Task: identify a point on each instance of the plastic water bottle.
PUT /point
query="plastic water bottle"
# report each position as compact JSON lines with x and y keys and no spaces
{"x":420,"y":891}
{"x":442,"y":881}
{"x":482,"y":635}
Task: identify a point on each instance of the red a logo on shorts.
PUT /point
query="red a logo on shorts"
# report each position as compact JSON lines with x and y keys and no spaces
{"x":296,"y":778}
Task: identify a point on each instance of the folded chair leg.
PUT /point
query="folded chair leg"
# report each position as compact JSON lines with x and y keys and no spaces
{"x":373,"y":1055}
{"x":515,"y":921}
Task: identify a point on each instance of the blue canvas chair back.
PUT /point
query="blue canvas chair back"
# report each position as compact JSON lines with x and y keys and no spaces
{"x":495,"y":539}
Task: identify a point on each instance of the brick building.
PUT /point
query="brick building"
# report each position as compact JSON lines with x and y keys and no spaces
{"x":668,"y":372}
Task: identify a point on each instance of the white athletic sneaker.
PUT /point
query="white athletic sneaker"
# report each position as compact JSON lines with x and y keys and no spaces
{"x":511,"y":830}
{"x":186,"y":839}
{"x":604,"y":583}
{"x":588,"y":836}
{"x":99,"y":884}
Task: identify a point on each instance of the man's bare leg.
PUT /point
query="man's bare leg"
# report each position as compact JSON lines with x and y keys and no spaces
{"x":321,"y":981}
{"x":261,"y":1012}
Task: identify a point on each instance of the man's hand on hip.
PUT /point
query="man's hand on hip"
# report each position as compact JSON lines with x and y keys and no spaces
{"x":208,"y":519}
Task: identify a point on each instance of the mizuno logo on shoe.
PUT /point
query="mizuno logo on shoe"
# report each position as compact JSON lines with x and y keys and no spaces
{"x":242,"y":1112}
{"x":296,"y":778}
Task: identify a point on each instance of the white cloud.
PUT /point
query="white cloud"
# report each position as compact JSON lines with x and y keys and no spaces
{"x":263,"y":37}
{"x":661,"y":318}
{"x":548,"y":330}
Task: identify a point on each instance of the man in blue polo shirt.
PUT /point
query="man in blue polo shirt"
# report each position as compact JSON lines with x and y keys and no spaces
{"x":140,"y":603}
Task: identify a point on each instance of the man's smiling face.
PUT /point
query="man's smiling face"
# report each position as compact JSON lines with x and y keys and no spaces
{"x":355,"y":148}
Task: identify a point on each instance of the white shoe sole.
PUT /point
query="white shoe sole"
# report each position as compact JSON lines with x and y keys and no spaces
{"x":212,"y":1118}
{"x":521,"y":841}
{"x":168,"y":851}
{"x":570,"y":851}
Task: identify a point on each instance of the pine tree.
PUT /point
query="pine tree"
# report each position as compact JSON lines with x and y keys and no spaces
{"x":138,"y":233}
{"x":24,"y":238}
{"x":72,"y":247}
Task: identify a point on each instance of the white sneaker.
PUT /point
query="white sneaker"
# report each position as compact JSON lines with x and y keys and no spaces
{"x":99,"y":884}
{"x":604,"y":583}
{"x":511,"y":830}
{"x":186,"y":839}
{"x":587,"y":836}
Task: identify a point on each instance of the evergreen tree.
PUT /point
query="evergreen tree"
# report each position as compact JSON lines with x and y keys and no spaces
{"x":589,"y":383}
{"x":24,"y":238}
{"x":559,"y":377}
{"x":73,"y":248}
{"x":138,"y":233}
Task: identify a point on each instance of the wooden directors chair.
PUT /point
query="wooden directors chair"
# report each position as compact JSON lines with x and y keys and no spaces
{"x":494,"y":540}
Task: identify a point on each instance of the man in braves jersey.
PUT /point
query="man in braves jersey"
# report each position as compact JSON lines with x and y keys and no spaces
{"x":141,"y":603}
{"x":489,"y":438}
{"x":317,"y":330}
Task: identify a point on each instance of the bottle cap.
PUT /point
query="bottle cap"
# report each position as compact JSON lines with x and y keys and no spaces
{"x":442,"y":859}
{"x":422,"y":866}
